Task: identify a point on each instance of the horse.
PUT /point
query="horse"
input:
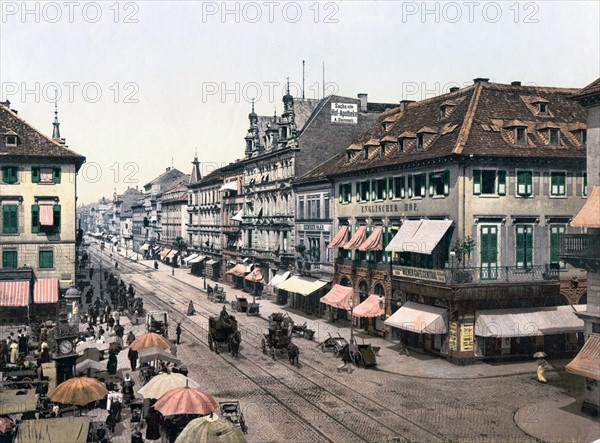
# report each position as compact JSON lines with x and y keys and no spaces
{"x":293,"y":353}
{"x":234,"y":343}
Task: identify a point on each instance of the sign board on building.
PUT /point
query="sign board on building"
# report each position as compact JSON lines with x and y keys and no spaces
{"x":437,"y":275}
{"x":344,"y":113}
{"x":317,"y":227}
{"x":467,"y":337}
{"x":452,"y":345}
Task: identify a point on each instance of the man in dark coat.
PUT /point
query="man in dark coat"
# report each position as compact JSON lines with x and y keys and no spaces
{"x":22,"y":343}
{"x":111,"y":366}
{"x":132,"y":355}
{"x":153,"y":424}
{"x":127,"y":389}
{"x":178,"y":332}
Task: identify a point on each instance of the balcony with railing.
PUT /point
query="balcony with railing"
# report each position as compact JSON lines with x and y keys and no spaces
{"x":580,"y":250}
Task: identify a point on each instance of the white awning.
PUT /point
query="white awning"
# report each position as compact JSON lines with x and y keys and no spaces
{"x":423,"y":319}
{"x":230,"y":186}
{"x":197,"y":259}
{"x":524,"y":322}
{"x":212,"y":262}
{"x":279,"y":278}
{"x":172,"y":254}
{"x":144,"y":247}
{"x":420,"y":236}
{"x":190,"y":257}
{"x":238,"y":216}
{"x":302,"y":285}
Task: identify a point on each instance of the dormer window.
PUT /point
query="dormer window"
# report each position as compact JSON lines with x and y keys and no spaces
{"x":366,"y":152}
{"x":381,"y":150}
{"x":400,"y":144}
{"x":554,"y":135}
{"x":420,"y":141}
{"x":582,"y":136}
{"x":384,"y":127}
{"x":348,"y":155}
{"x":521,"y":136}
{"x":543,"y":108}
{"x":11,"y":140}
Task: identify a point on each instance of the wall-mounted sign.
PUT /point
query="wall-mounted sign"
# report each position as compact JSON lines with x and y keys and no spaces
{"x":316,"y":227}
{"x":438,"y":275}
{"x":394,"y":208}
{"x":467,"y":337}
{"x":344,"y":113}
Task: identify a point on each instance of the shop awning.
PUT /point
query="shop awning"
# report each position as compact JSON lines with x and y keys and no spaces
{"x":71,"y":429}
{"x":190,"y":257}
{"x":589,"y":216}
{"x":340,"y":238}
{"x":374,"y":241}
{"x":420,"y":236}
{"x":144,"y":247}
{"x":419,"y":318}
{"x":196,"y":259}
{"x":280,"y":277}
{"x":238,"y":216}
{"x":358,"y":237}
{"x":45,"y":290}
{"x":237,"y":270}
{"x":212,"y":262}
{"x":172,"y":254}
{"x":302,"y":285}
{"x":339,"y":297}
{"x":14,"y":293}
{"x":369,"y":308}
{"x":255,"y":276}
{"x":164,"y":252}
{"x":587,"y":361}
{"x":230,"y":186}
{"x":525,"y":322}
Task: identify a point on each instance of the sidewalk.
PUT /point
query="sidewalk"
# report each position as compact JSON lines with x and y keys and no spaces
{"x":388,"y":359}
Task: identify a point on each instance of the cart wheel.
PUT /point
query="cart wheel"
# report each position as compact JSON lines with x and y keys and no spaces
{"x":264,"y":346}
{"x":359,"y":361}
{"x":29,"y":386}
{"x":336,"y":351}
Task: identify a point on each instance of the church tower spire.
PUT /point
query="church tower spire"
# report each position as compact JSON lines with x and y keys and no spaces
{"x":56,"y":124}
{"x":196,"y":174}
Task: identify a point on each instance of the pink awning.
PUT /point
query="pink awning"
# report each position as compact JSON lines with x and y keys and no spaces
{"x":339,"y":297}
{"x":14,"y":293}
{"x":369,"y":308}
{"x":45,"y":290}
{"x":358,"y":237}
{"x":373,"y":243}
{"x":46,"y":215}
{"x":340,"y":238}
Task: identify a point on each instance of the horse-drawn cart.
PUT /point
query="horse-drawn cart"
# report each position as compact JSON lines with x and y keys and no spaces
{"x":158,"y":322}
{"x":299,"y":329}
{"x":363,"y":355}
{"x":230,"y":410}
{"x":278,"y":339}
{"x":240,"y":304}
{"x":224,"y":331}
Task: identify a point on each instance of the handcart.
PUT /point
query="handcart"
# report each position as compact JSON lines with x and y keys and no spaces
{"x":336,"y":344}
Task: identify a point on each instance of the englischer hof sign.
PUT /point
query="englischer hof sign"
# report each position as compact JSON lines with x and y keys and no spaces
{"x":344,"y":113}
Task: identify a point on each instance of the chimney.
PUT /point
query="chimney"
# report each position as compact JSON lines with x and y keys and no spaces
{"x":404,"y":104}
{"x":515,"y":83}
{"x":481,"y":80}
{"x":454,"y":88}
{"x":363,"y":102}
{"x":168,"y":168}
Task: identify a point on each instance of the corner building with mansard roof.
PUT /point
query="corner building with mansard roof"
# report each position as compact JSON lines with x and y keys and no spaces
{"x":452,"y":208}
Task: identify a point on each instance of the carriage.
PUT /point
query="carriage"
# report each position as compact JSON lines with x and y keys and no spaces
{"x":240,"y":304}
{"x":216,"y":294}
{"x":298,"y":329}
{"x":224,"y":331}
{"x":279,"y":339}
{"x":230,"y":410}
{"x":158,"y":322}
{"x":336,"y":344}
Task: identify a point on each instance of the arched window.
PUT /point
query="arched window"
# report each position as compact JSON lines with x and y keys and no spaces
{"x":378,"y":290}
{"x":345,"y":282}
{"x":363,"y":291}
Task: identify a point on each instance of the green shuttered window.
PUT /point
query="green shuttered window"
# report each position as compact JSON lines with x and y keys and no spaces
{"x":10,"y":174}
{"x":10,"y":260}
{"x":46,"y":259}
{"x":524,"y":246}
{"x":10,"y":219}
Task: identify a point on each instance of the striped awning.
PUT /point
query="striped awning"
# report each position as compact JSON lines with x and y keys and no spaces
{"x":371,"y":307}
{"x":358,"y":237}
{"x":587,"y":361}
{"x":14,"y":293}
{"x":164,"y":252}
{"x":340,"y":238}
{"x":45,"y":290}
{"x":373,"y":242}
{"x":339,"y":297}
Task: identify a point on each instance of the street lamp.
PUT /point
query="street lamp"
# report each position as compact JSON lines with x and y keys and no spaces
{"x":352,"y":320}
{"x":452,"y":257}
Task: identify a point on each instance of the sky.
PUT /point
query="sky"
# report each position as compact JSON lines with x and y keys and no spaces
{"x":144,"y":85}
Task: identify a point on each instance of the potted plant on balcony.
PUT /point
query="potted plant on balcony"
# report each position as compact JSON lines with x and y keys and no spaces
{"x":462,"y":249}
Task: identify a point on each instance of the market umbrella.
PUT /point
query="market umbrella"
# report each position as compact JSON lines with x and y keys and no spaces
{"x":152,"y":354}
{"x":210,"y":429}
{"x":150,"y":340}
{"x":89,"y":364}
{"x":192,"y":401}
{"x":6,"y":425}
{"x":539,"y":354}
{"x":162,"y":383}
{"x":115,"y":347}
{"x":97,"y":415}
{"x":78,"y":391}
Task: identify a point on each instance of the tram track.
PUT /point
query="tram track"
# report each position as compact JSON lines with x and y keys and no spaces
{"x":301,"y":385}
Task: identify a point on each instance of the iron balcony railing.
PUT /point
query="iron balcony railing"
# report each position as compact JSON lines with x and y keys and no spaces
{"x":580,"y":246}
{"x":484,"y":274}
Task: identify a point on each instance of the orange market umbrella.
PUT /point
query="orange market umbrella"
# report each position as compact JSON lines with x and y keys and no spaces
{"x":78,"y":391}
{"x":150,"y":340}
{"x":186,"y":400}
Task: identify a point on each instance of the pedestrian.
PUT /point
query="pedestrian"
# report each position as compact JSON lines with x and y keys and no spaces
{"x":174,"y":349}
{"x":127,"y":389}
{"x":190,"y":309}
{"x":346,"y":359}
{"x":111,"y":422}
{"x":130,"y":338}
{"x":91,"y":273}
{"x":14,"y":352}
{"x":155,"y":265}
{"x":116,"y":265}
{"x":111,"y":365}
{"x":178,"y":333}
{"x":22,"y":343}
{"x":101,"y":333}
{"x":110,"y":322}
{"x":541,"y":363}
{"x":132,"y":355}
{"x":152,"y":424}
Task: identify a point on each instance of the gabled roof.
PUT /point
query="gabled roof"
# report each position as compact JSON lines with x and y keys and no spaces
{"x":168,"y":179}
{"x":128,"y":198}
{"x":479,"y":124}
{"x":32,"y":143}
{"x":590,"y":90}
